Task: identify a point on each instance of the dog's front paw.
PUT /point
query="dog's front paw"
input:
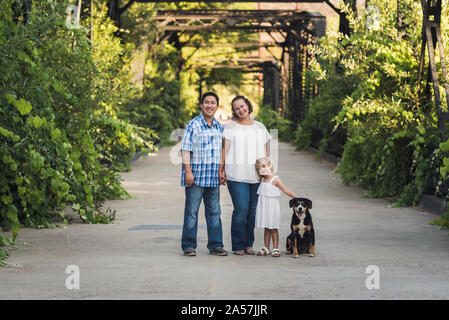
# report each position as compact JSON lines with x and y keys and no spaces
{"x":311,"y":255}
{"x":296,"y":256}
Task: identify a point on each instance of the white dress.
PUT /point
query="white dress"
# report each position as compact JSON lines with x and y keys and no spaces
{"x":268,"y":211}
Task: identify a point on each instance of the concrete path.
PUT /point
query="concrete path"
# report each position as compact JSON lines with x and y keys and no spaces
{"x":139,"y":255}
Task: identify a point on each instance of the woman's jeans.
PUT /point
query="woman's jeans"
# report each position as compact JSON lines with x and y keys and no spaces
{"x":244,"y":199}
{"x":194,"y":196}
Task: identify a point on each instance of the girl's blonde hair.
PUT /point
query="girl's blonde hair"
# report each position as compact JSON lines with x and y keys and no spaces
{"x":264,"y":160}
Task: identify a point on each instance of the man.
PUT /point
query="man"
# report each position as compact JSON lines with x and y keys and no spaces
{"x":201,"y":156}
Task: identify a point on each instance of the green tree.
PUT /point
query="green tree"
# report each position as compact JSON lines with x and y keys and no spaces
{"x":61,"y":142}
{"x":368,"y":88}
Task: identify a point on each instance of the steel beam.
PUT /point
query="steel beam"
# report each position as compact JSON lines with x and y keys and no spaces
{"x":232,"y":20}
{"x":228,"y":1}
{"x":271,"y":85}
{"x":299,"y":29}
{"x":431,"y":37}
{"x":237,"y":45}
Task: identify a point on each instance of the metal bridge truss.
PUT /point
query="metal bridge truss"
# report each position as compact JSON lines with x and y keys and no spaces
{"x":431,"y":37}
{"x":285,"y":87}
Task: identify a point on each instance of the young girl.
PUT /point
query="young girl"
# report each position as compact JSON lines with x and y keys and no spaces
{"x":268,"y":212}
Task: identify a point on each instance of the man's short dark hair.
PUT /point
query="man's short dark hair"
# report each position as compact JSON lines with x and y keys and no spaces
{"x":210,"y":93}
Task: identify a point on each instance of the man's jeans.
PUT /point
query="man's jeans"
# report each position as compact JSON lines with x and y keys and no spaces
{"x":211,"y":196}
{"x":244,"y":199}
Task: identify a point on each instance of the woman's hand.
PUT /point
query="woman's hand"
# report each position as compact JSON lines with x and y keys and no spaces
{"x":222,"y":177}
{"x":189,"y":178}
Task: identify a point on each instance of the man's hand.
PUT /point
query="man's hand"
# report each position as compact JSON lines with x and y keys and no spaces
{"x":189,"y":180}
{"x":222,"y":177}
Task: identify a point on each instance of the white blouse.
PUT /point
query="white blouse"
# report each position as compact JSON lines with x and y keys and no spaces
{"x":247,"y":145}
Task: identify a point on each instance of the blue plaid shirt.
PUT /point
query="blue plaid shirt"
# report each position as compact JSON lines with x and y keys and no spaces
{"x":204,"y":143}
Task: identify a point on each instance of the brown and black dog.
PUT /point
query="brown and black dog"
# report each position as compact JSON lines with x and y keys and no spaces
{"x":302,"y":237}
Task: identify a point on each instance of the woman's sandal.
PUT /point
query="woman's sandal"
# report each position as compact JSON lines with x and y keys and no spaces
{"x":276,"y":252}
{"x":249,"y":251}
{"x":263,"y":252}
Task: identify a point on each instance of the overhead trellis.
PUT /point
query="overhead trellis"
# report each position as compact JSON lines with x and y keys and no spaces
{"x":224,"y":20}
{"x":298,"y":29}
{"x":285,"y":87}
{"x":115,"y":10}
{"x":298,"y":33}
{"x":431,"y":38}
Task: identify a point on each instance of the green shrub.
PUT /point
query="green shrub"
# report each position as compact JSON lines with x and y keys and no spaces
{"x":272,"y":120}
{"x":60,"y":142}
{"x":319,"y":118}
{"x":368,"y":88}
{"x":119,"y":140}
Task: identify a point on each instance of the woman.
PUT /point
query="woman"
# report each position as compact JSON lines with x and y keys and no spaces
{"x":244,"y":141}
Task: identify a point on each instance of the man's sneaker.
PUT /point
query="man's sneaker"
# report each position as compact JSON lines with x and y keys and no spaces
{"x":219,"y":252}
{"x":190,"y":253}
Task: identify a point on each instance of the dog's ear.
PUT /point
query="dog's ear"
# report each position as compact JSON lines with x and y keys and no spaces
{"x":292,"y":202}
{"x":309,"y":203}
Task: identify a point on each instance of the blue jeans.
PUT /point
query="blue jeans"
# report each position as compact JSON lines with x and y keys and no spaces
{"x":244,"y":199}
{"x":194,"y":196}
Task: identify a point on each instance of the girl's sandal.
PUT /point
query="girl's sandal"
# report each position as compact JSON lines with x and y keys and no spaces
{"x":276,"y":252}
{"x":263,"y":252}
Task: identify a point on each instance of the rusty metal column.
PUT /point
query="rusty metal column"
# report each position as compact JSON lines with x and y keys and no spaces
{"x":294,"y":78}
{"x":344,"y":26}
{"x":399,"y":18}
{"x":285,"y":84}
{"x":301,"y":82}
{"x":267,"y":84}
{"x":308,"y":87}
{"x":21,"y":10}
{"x":114,"y":11}
{"x":277,"y":88}
{"x":270,"y":85}
{"x":296,"y":74}
{"x":431,"y":36}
